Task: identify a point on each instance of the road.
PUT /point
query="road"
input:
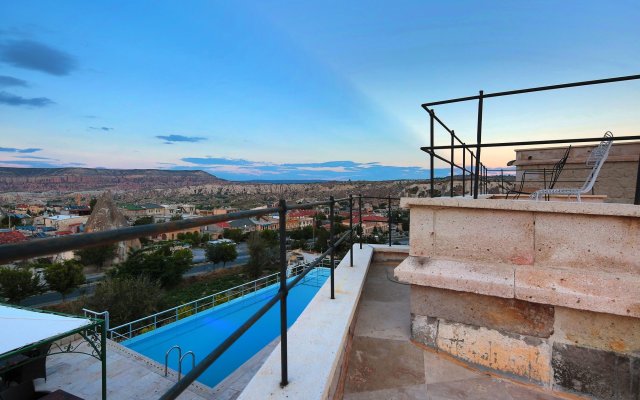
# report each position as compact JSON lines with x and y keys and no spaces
{"x":200,"y":267}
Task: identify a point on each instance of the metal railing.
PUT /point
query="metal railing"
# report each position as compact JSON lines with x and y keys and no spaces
{"x":478,"y":172}
{"x":151,"y":322}
{"x":27,"y":250}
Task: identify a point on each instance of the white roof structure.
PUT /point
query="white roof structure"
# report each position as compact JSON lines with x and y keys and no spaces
{"x":22,"y":327}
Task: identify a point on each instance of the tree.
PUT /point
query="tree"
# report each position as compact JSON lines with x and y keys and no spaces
{"x":322,"y":238}
{"x":92,"y":203}
{"x":223,"y":252}
{"x":64,"y":277}
{"x":160,"y":264}
{"x":146,"y":220}
{"x":176,"y":217}
{"x":259,"y":255}
{"x":19,"y":283}
{"x":126,"y":298}
{"x":97,"y":256}
{"x":234,"y":234}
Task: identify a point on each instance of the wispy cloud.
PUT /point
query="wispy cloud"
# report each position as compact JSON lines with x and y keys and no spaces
{"x":240,"y":169}
{"x":15,"y":150}
{"x":15,"y":100}
{"x":33,"y":55}
{"x":101,"y":128}
{"x":6,"y":81}
{"x":38,"y":164}
{"x":180,"y":138}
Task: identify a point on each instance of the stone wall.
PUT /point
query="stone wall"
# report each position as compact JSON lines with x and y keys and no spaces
{"x":544,"y":292}
{"x":617,"y":179}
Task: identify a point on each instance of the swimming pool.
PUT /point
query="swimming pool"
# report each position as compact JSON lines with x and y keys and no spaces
{"x":202,"y":332}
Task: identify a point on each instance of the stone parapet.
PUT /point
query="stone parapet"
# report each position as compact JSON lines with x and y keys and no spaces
{"x":547,"y":292}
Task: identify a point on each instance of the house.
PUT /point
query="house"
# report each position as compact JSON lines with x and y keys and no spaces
{"x":134,"y":211}
{"x":72,"y":223}
{"x":11,"y":236}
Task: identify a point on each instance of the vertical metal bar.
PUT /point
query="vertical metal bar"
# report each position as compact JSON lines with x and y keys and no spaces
{"x":478,"y":145}
{"x":103,"y":358}
{"x":360,"y":218}
{"x":389,"y":220}
{"x":501,"y":180}
{"x":452,"y":161}
{"x":471,"y":177}
{"x":351,"y":230}
{"x":283,"y":289}
{"x":464,"y":169}
{"x":431,"y":135}
{"x":637,"y":199}
{"x":333,"y":250}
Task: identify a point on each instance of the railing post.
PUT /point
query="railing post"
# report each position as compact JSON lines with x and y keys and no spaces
{"x":389,"y":220}
{"x":431,"y":136}
{"x":637,"y":199}
{"x":360,"y":218}
{"x":103,"y":355}
{"x":501,"y":180}
{"x":452,"y":161}
{"x":331,"y":241}
{"x":282,"y":214}
{"x":464,"y":169}
{"x":478,"y":146}
{"x":351,"y":230}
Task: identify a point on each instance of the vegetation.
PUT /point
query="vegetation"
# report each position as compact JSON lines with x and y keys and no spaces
{"x":234,"y":234}
{"x":160,"y":264}
{"x":64,"y":277}
{"x":19,"y":283}
{"x":223,"y":252}
{"x":261,"y":255}
{"x":126,"y":298}
{"x":97,"y":256}
{"x":146,"y":220}
{"x":197,"y":287}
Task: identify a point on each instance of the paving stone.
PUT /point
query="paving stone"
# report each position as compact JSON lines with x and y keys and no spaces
{"x":417,"y":392}
{"x":439,"y":369}
{"x":376,"y":364}
{"x":383,"y":320}
{"x":470,"y":389}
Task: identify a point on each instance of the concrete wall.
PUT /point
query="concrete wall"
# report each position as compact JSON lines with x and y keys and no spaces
{"x":617,"y":179}
{"x":545,"y":292}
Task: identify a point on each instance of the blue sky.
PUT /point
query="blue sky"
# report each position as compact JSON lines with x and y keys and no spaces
{"x":301,"y":90}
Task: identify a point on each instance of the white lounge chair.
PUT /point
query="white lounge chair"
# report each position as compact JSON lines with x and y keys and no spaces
{"x":596,"y":159}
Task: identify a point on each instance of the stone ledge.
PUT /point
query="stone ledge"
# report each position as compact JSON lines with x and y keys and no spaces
{"x":589,"y":290}
{"x":487,"y":279}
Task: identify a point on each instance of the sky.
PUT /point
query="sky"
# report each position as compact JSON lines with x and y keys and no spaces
{"x":250,"y":90}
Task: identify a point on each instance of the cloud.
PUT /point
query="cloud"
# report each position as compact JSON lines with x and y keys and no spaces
{"x":37,"y":164}
{"x":15,"y":150}
{"x":6,"y":81}
{"x":180,"y":138}
{"x":15,"y":100}
{"x":101,"y":128}
{"x":37,"y":158}
{"x":240,"y":169}
{"x":37,"y":56}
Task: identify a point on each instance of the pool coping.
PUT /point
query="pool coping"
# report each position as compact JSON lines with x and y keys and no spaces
{"x":317,"y":341}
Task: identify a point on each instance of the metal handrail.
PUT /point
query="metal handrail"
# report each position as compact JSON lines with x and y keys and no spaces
{"x":166,"y":357}
{"x":175,"y":312}
{"x":193,"y":362}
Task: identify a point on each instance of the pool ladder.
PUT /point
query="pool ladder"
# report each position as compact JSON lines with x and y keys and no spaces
{"x":180,"y":358}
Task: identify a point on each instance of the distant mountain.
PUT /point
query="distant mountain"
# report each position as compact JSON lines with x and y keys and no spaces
{"x":84,"y":179}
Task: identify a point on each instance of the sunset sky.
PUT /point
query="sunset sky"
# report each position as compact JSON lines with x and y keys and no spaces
{"x":301,"y":90}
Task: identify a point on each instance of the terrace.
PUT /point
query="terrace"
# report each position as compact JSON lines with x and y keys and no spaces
{"x":493,"y":298}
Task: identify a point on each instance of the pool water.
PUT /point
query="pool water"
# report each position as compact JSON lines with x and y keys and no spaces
{"x":202,"y":332}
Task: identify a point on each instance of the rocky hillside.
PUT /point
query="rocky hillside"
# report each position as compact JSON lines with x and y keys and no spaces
{"x":83,"y":179}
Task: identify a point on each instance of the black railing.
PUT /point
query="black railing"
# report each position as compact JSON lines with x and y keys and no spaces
{"x":477,"y":170}
{"x":42,"y":247}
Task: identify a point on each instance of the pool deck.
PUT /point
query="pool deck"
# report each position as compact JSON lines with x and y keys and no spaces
{"x":129,"y":376}
{"x":385,"y":364}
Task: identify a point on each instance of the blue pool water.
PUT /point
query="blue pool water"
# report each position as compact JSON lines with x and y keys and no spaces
{"x":202,"y":332}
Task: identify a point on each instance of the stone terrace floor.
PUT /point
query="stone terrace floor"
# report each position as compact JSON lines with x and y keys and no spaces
{"x":385,"y":364}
